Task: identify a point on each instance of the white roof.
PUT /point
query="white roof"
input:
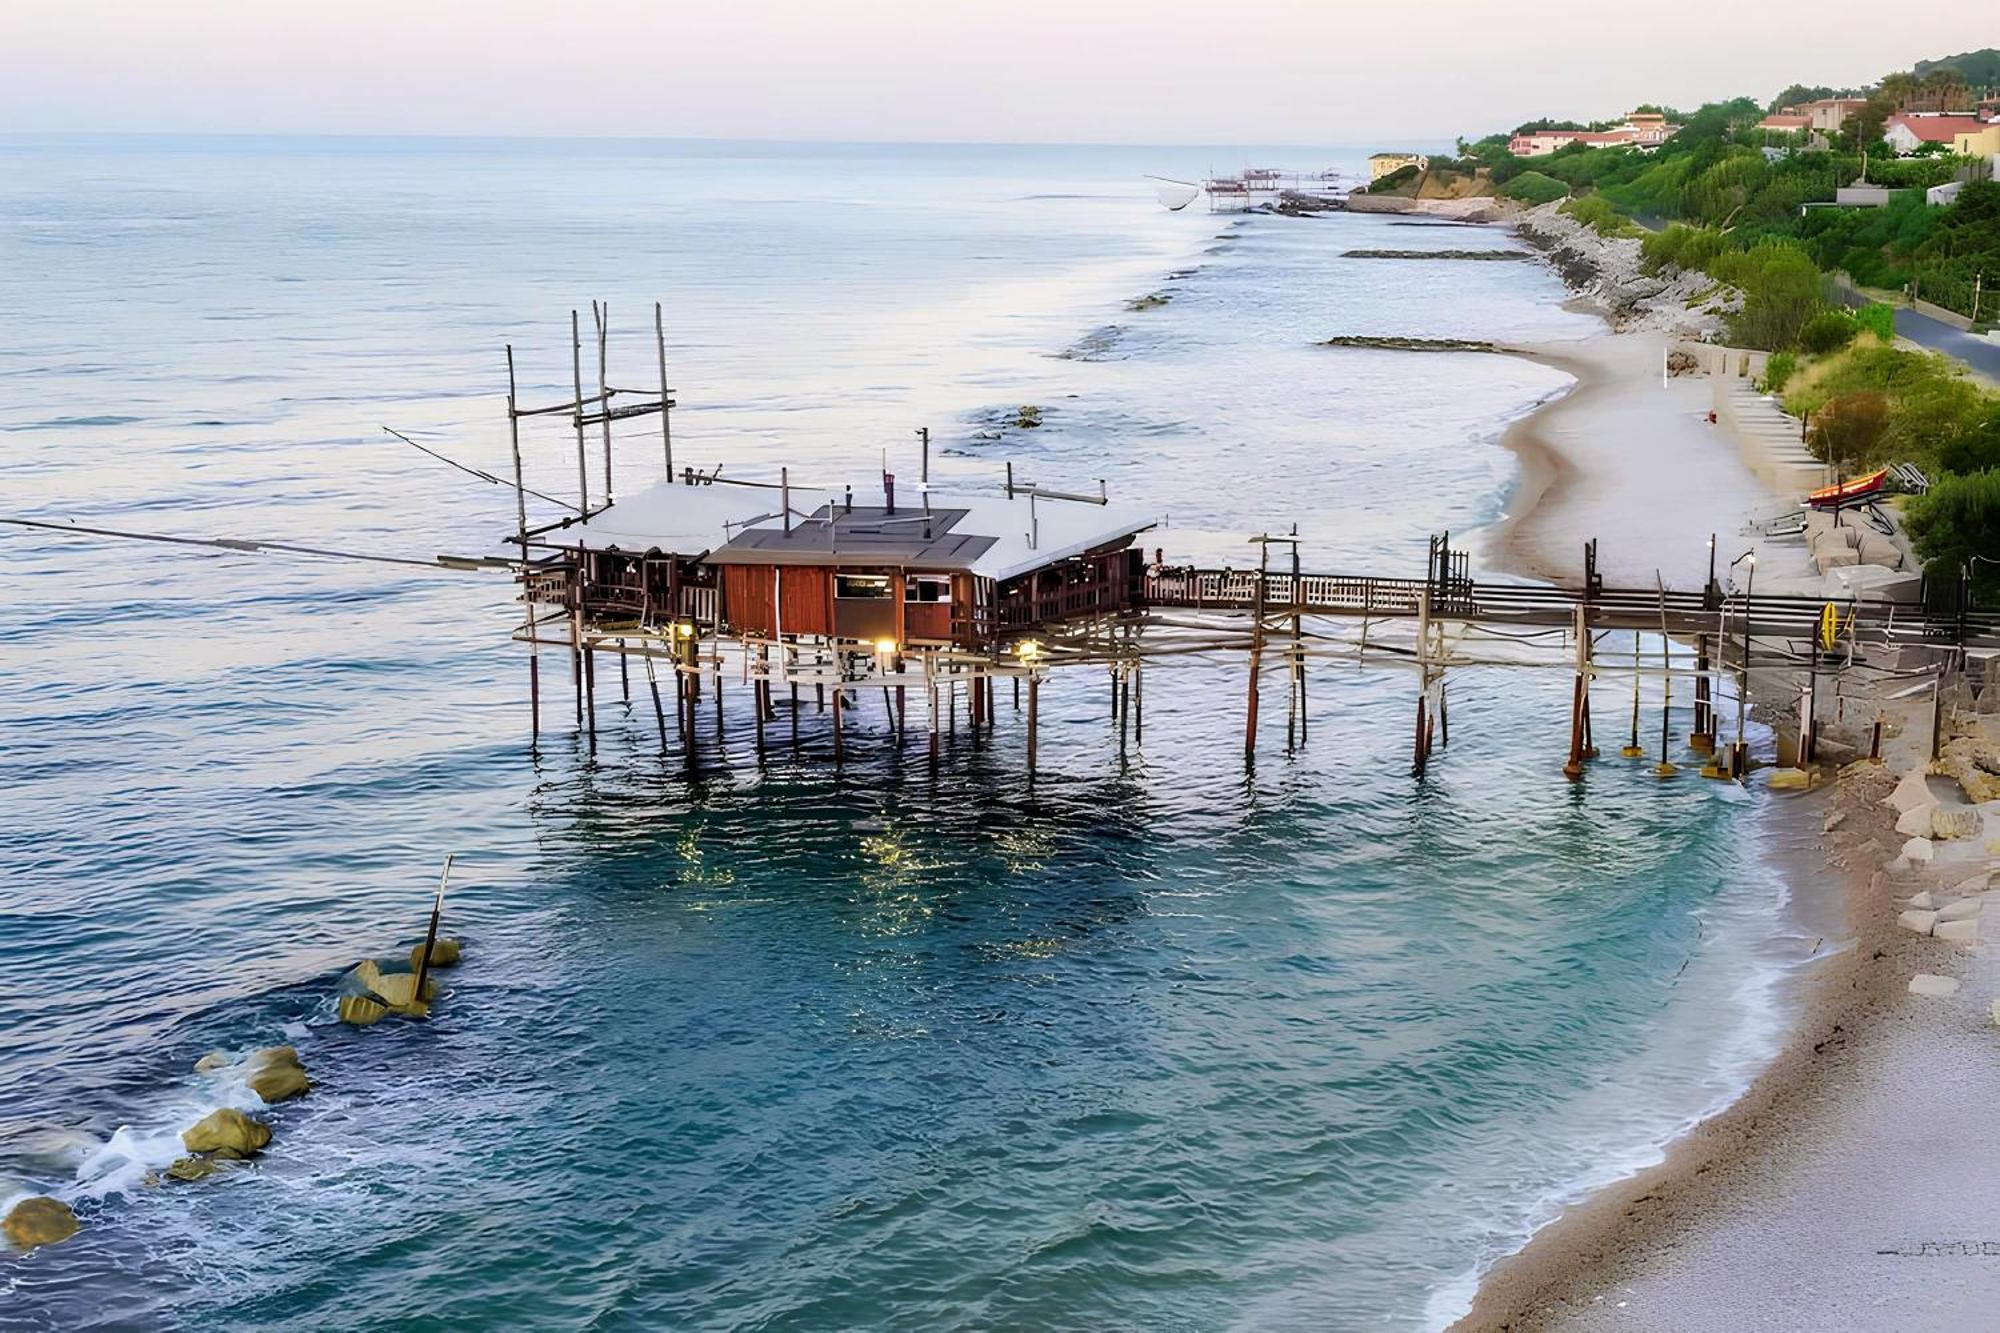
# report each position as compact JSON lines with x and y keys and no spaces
{"x":1026,"y":532}
{"x":675,"y":519}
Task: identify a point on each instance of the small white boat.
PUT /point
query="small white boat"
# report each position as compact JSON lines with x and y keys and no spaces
{"x":1176,"y":195}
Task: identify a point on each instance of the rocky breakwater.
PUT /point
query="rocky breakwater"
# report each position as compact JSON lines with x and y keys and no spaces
{"x":1606,"y":271}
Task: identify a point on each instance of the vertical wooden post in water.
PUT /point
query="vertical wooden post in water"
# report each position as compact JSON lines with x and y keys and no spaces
{"x":527,"y":592}
{"x":1298,"y":644}
{"x":659,"y":711}
{"x":431,"y":935}
{"x":1702,"y":739}
{"x":603,"y":317}
{"x":666,"y":406}
{"x":1034,"y":693}
{"x":838,"y":743}
{"x":1256,"y":652}
{"x":1573,"y":768}
{"x":1419,"y":750}
{"x":576,"y":414}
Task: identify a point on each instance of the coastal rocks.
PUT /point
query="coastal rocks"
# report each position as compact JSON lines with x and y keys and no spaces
{"x":1474,"y":255}
{"x":1028,"y":416}
{"x":1924,"y":901}
{"x":1790,"y":779}
{"x":211,"y":1062}
{"x":275,"y":1075}
{"x":444,"y":953}
{"x":1911,"y":792}
{"x":1401,"y":344}
{"x":368,"y":994}
{"x":1918,"y":851}
{"x":1964,"y":931}
{"x":1954,"y":822}
{"x":39,"y":1220}
{"x":227,"y":1132}
{"x":191,"y":1168}
{"x":1937,"y":987}
{"x":1916,"y":821}
{"x":1916,"y":920}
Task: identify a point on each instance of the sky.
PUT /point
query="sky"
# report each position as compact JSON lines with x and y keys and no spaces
{"x":1085,"y":71}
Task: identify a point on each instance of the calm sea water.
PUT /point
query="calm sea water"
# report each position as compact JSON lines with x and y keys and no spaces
{"x":1165,"y":1045}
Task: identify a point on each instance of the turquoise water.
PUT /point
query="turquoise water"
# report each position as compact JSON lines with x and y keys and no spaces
{"x":1163,"y":1044}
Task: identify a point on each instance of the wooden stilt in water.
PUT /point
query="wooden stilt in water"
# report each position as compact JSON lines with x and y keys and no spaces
{"x":1256,"y":653}
{"x":624,"y":674}
{"x":659,"y":710}
{"x":1444,"y":717}
{"x":527,"y":599}
{"x":1573,"y":768}
{"x":1017,"y":694}
{"x":431,"y":937}
{"x":1419,"y":748}
{"x":590,"y":691}
{"x":1124,"y":707}
{"x":1034,"y":691}
{"x":1702,"y":738}
{"x":902,"y":711}
{"x":1139,"y":702}
{"x":1632,"y":748}
{"x":839,"y":744}
{"x":819,"y":695}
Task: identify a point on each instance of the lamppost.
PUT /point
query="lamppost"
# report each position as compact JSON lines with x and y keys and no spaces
{"x":1739,"y":755}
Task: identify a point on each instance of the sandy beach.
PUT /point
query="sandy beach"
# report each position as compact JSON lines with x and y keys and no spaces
{"x":1850,"y":1186}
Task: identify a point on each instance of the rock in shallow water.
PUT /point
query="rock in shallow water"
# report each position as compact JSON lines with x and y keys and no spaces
{"x":444,"y":953}
{"x":211,"y":1062}
{"x":227,"y":1132}
{"x":39,"y":1220}
{"x":279,"y":1082}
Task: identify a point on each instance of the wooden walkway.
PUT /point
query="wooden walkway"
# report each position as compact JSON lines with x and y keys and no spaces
{"x":1502,"y":604}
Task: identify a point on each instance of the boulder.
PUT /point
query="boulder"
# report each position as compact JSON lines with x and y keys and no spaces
{"x":278,"y":1082}
{"x":272,"y":1055}
{"x":191,"y":1168}
{"x":211,"y":1062}
{"x":1923,"y":901}
{"x":360,"y":1011}
{"x":1916,"y":822}
{"x":39,"y":1220}
{"x":1959,"y":910}
{"x":1954,"y":821}
{"x":396,"y":989}
{"x":1911,"y":792}
{"x":1916,"y":920}
{"x":1918,"y":851}
{"x":1927,"y":983}
{"x":1790,"y":779}
{"x":227,"y":1133}
{"x":444,"y":953}
{"x":1965,"y":931}
{"x":1976,"y":884}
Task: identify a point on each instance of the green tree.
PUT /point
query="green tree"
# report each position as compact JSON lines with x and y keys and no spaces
{"x":1957,"y":519}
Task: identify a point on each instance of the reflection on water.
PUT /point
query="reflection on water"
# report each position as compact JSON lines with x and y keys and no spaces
{"x":1156,"y":1043}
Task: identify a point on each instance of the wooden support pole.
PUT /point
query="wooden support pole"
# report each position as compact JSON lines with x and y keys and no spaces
{"x":1139,"y":702}
{"x":431,"y":936}
{"x":1444,"y":717}
{"x":1573,"y":768}
{"x":576,"y":416}
{"x":795,"y":714}
{"x":576,"y":647}
{"x":624,"y":674}
{"x":1256,"y":653}
{"x":839,"y":751}
{"x":1017,"y":694}
{"x":666,"y":408}
{"x":1124,"y":707}
{"x":659,"y":710}
{"x":590,"y":691}
{"x":527,"y":597}
{"x":1419,"y":748}
{"x":1034,"y":693}
{"x":603,"y":316}
{"x":1702,"y":739}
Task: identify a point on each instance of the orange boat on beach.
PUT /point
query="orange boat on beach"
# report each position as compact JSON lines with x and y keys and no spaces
{"x":1852,"y":491}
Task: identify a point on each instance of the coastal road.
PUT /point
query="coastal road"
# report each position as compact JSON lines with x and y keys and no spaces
{"x":1981,"y":354}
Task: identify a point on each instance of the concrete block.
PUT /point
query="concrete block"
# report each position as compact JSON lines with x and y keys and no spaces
{"x":1918,"y":851}
{"x":1921,"y":922}
{"x":1916,"y":821}
{"x":1928,"y":983}
{"x":1959,"y":910}
{"x":1958,"y":932}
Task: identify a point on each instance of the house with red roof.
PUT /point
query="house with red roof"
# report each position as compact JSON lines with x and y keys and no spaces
{"x":1907,"y":131}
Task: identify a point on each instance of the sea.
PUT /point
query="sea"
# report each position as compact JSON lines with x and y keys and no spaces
{"x":1166,"y":1041}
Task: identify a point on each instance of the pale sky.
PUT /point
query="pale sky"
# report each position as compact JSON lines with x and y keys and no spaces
{"x":1091,"y":71}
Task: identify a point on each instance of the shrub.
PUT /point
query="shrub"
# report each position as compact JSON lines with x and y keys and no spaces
{"x":1878,"y":319}
{"x":1780,"y":293}
{"x":1596,"y":212}
{"x":1849,"y":429}
{"x":1957,"y":519}
{"x":1777,"y":371}
{"x":1532,"y":187}
{"x":1828,"y":331}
